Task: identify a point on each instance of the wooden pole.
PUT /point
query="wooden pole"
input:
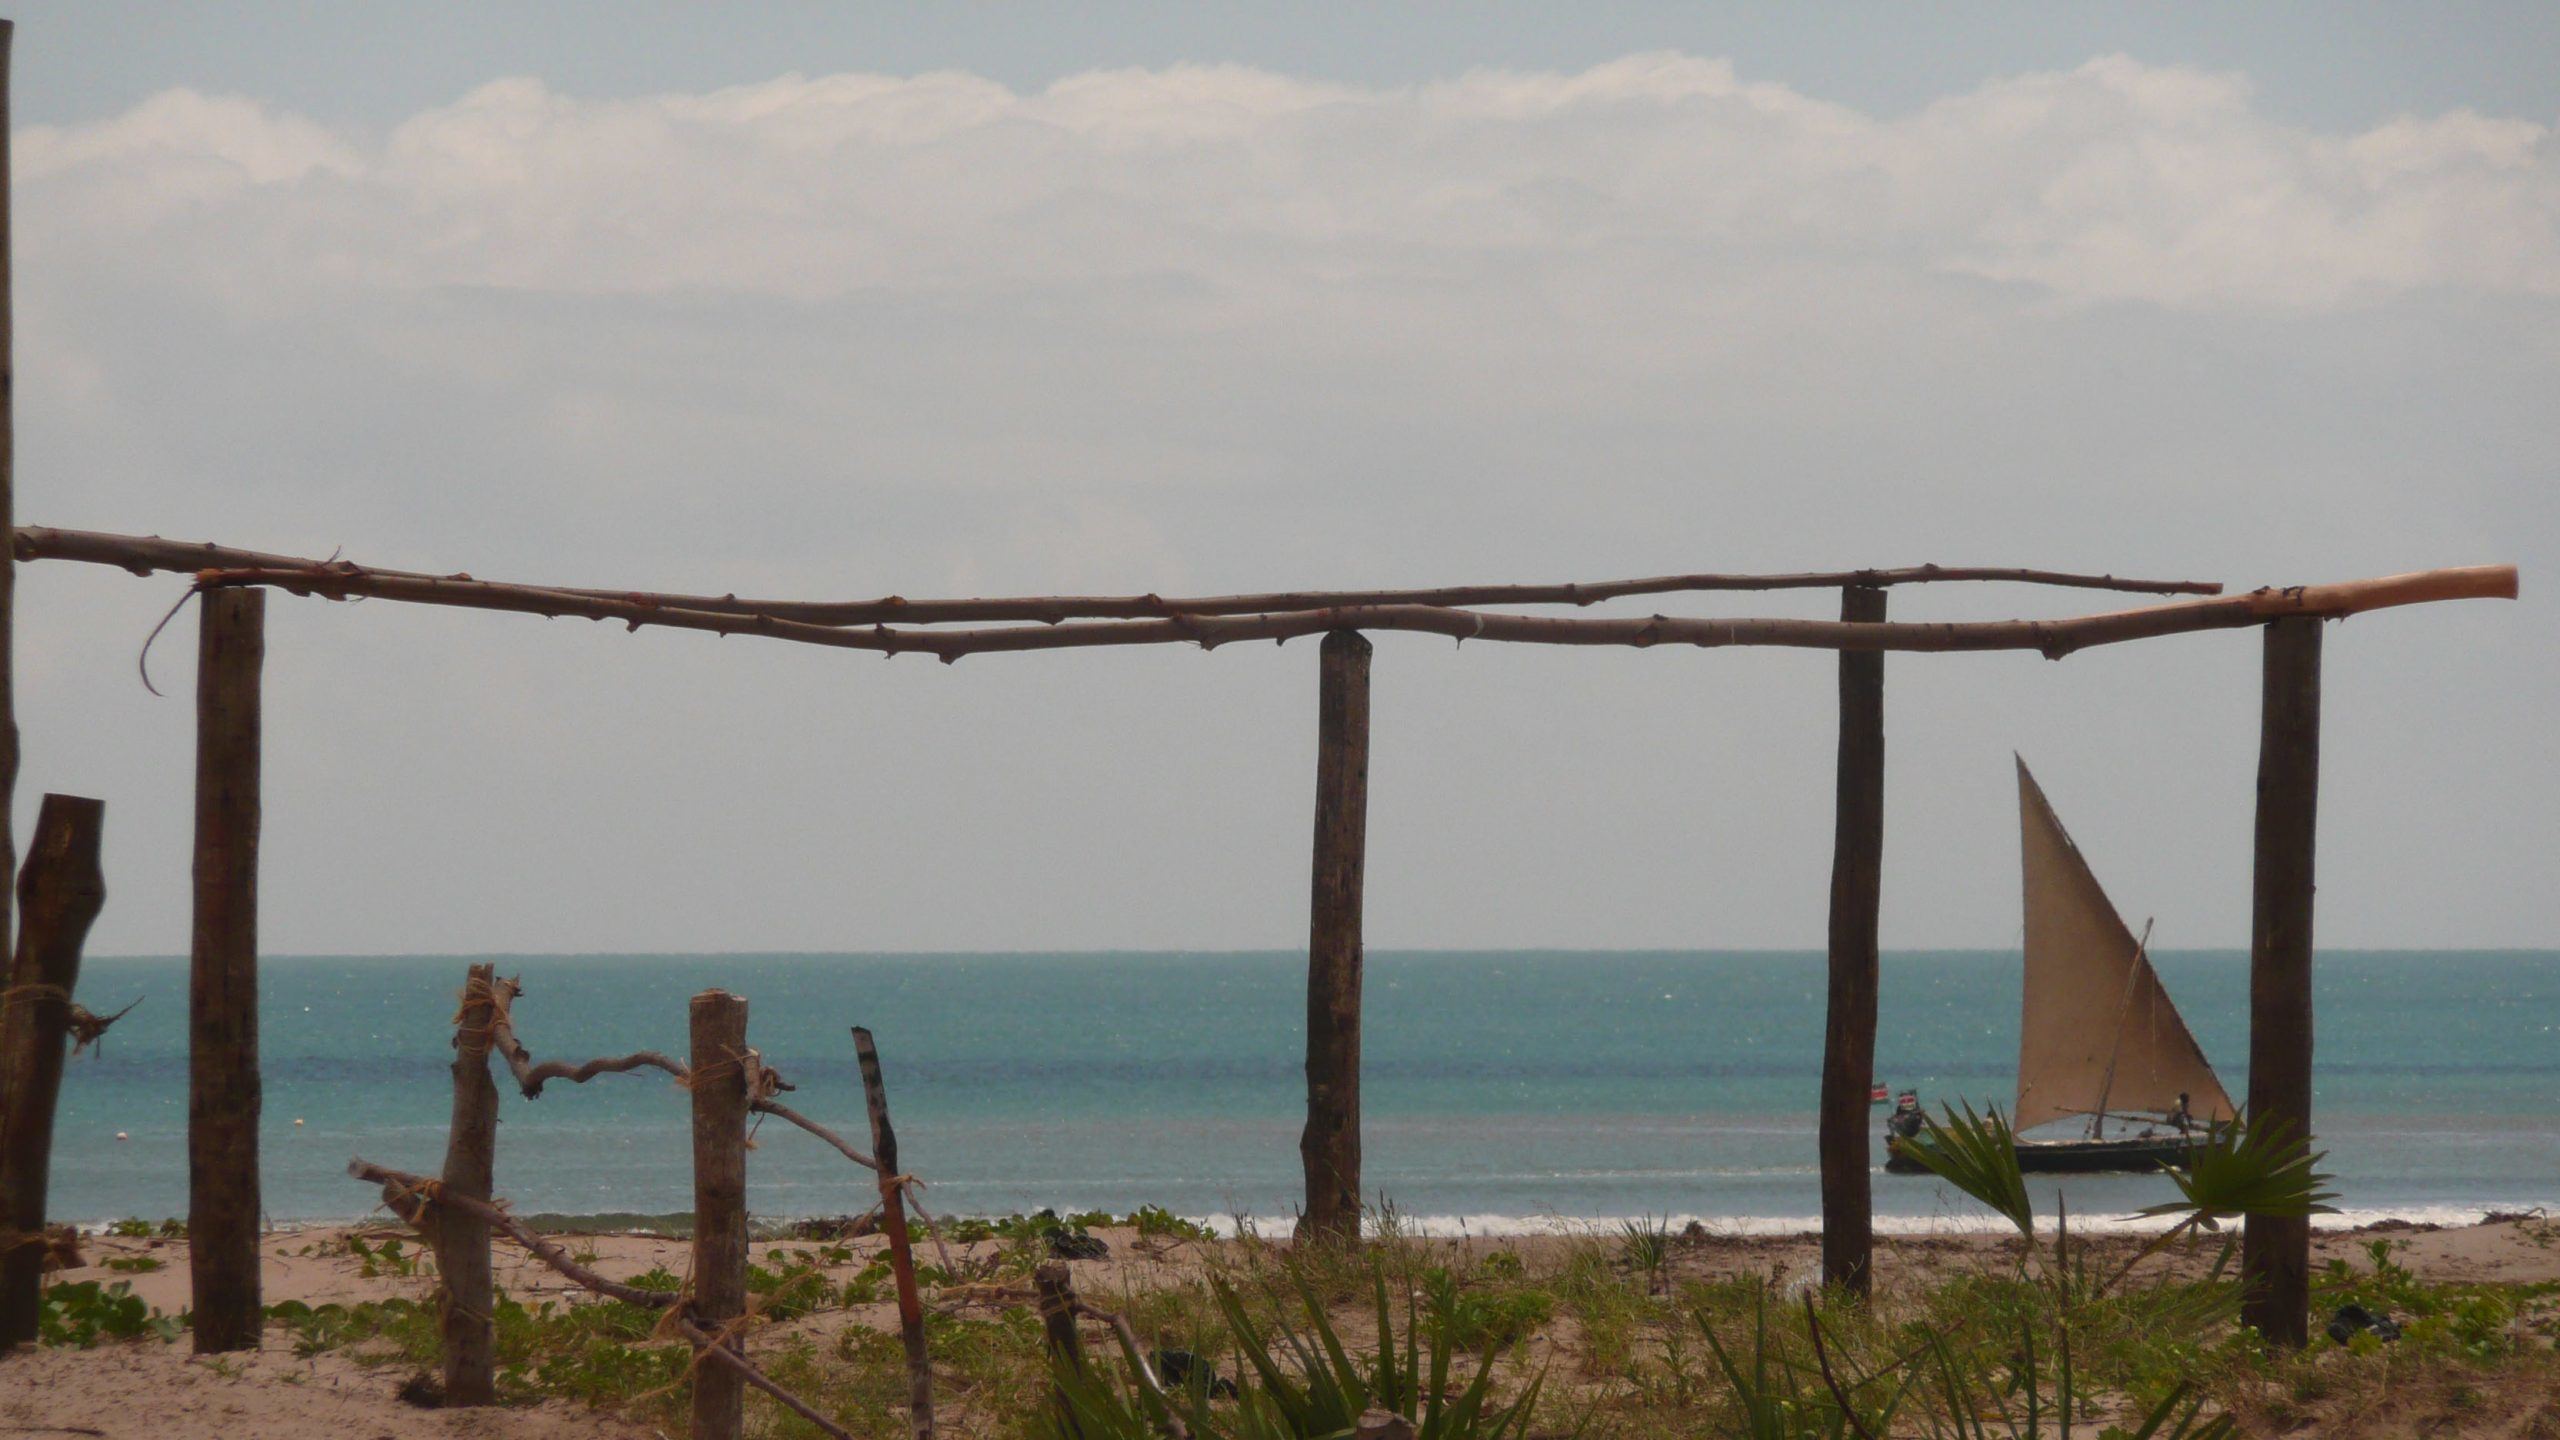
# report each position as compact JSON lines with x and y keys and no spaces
{"x":461,"y":1237}
{"x":2275,"y":1254}
{"x":893,"y":1223}
{"x":1055,"y":1285}
{"x":8,"y":506}
{"x":1849,"y":1034}
{"x":59,"y":895}
{"x":718,"y":1082}
{"x":222,"y":1014}
{"x":1330,"y":1145}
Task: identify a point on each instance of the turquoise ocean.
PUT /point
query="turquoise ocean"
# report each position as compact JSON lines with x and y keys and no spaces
{"x":1503,"y":1090}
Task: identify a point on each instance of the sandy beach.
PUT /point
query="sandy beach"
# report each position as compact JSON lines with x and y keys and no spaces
{"x":148,"y":1388}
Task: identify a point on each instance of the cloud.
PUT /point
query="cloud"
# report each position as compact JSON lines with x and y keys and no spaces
{"x":1215,"y":328}
{"x":1227,"y":186}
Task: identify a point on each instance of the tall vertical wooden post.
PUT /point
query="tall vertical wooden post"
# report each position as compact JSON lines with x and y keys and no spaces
{"x":58,"y":896}
{"x":719,"y":1087}
{"x":1330,"y":1145}
{"x":2275,"y":1254}
{"x":1849,"y":1034}
{"x":222,"y":998}
{"x":462,"y":1238}
{"x":8,"y":509}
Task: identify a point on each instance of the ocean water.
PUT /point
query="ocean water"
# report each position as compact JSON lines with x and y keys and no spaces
{"x":1502,"y":1090}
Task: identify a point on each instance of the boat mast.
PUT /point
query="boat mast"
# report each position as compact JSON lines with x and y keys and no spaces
{"x":2124,"y":1008}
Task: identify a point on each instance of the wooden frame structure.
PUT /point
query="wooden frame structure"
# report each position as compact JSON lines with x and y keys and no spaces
{"x":231,"y":582}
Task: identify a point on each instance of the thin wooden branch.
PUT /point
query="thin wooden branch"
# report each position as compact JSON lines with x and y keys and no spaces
{"x":144,"y":554}
{"x":402,"y":1192}
{"x":1172,"y":1424}
{"x":531,"y":1077}
{"x":2052,"y":638}
{"x":408,"y":1195}
{"x":780,"y":1111}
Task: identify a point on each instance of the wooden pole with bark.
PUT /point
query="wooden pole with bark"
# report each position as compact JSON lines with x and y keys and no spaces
{"x":1849,"y":1033}
{"x":8,"y":505}
{"x":461,"y":1237}
{"x":222,"y":999}
{"x":59,"y":896}
{"x":1329,"y":1147}
{"x":2275,"y":1253}
{"x":893,"y":1223}
{"x":717,"y":1079}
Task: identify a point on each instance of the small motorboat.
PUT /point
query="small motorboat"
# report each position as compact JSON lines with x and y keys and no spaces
{"x":2098,"y":1034}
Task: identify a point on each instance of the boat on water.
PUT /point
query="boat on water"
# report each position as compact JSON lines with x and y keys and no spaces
{"x":2098,"y":1038}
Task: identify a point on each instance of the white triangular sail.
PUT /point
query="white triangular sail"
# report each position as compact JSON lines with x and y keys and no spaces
{"x":2098,"y":1032}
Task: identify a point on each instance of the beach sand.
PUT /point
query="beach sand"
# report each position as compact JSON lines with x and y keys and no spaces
{"x":150,"y":1390}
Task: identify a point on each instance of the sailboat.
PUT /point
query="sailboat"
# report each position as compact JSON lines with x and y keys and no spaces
{"x":2098,"y":1035}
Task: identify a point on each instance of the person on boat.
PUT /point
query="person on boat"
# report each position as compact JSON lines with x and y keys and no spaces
{"x":2179,"y":1117}
{"x":1905,"y":1121}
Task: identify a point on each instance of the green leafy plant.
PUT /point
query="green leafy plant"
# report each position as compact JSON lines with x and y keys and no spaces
{"x":82,"y":1313}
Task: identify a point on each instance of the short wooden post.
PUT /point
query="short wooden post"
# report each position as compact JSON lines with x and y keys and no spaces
{"x":222,"y":1014}
{"x":893,"y":1223}
{"x":719,"y":1087}
{"x":1055,"y":1285}
{"x":1330,"y":1145}
{"x":59,"y":895}
{"x":2275,"y":1254}
{"x":461,"y":1237}
{"x":1849,"y":1034}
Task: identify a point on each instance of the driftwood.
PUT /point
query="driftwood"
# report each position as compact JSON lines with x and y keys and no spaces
{"x":410,"y":1196}
{"x":2051,"y":638}
{"x":145,"y":554}
{"x":893,"y":1223}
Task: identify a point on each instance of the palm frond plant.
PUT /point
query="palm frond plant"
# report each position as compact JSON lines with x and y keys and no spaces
{"x":2240,"y":1169}
{"x":1978,"y":1154}
{"x":1301,"y":1381}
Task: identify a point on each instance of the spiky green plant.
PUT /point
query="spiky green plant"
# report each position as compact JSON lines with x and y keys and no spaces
{"x":1300,"y":1381}
{"x":1978,"y":1154}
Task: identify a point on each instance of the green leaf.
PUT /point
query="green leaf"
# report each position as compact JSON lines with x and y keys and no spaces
{"x":1978,"y":1154}
{"x":2246,"y":1169}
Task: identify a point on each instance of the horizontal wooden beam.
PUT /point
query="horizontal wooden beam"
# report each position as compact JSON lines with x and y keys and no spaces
{"x":144,"y":554}
{"x":342,"y":580}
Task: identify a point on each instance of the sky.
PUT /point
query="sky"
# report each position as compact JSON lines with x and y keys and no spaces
{"x":830,"y":301}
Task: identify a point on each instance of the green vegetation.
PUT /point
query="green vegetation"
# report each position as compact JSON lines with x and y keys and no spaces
{"x":1634,"y":1331}
{"x":82,"y":1314}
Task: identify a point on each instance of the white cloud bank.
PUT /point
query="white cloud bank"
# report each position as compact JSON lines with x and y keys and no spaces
{"x":2114,"y":181}
{"x":1213,"y":329}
